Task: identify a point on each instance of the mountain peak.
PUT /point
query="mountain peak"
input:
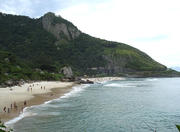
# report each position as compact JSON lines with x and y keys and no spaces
{"x":49,"y":14}
{"x":59,"y":27}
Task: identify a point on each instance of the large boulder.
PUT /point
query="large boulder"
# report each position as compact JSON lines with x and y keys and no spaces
{"x":9,"y":83}
{"x":67,"y":71}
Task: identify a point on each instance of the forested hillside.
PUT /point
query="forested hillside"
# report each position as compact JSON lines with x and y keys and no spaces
{"x":49,"y":43}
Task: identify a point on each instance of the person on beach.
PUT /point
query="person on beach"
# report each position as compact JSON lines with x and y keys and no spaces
{"x":22,"y":108}
{"x":41,"y":87}
{"x":11,"y":106}
{"x":8,"y":110}
{"x":15,"y":106}
{"x":4,"y":109}
{"x":25,"y":103}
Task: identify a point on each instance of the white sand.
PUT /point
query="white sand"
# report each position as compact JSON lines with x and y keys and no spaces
{"x":103,"y":79}
{"x":20,"y":93}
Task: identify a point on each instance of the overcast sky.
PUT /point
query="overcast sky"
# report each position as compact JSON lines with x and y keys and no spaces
{"x":152,"y":26}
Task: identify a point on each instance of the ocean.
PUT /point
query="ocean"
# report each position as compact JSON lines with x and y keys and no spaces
{"x":129,"y":105}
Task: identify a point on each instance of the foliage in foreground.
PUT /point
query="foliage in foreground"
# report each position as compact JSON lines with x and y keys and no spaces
{"x":3,"y":128}
{"x":178,"y":127}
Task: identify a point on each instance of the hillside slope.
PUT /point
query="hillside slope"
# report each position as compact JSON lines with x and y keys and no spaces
{"x":51,"y":42}
{"x":14,"y":71}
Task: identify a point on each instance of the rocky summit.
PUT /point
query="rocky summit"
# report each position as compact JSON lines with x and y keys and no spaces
{"x":59,"y":27}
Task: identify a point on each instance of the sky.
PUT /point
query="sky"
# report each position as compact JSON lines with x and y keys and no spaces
{"x":153,"y":26}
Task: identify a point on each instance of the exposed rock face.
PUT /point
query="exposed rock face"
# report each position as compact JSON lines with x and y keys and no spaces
{"x":13,"y":83}
{"x":59,"y":29}
{"x":74,"y":32}
{"x":116,"y":64}
{"x":67,"y":71}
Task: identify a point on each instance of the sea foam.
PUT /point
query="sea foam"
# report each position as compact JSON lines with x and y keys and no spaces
{"x":22,"y":115}
{"x":119,"y":85}
{"x":76,"y":90}
{"x":151,"y":79}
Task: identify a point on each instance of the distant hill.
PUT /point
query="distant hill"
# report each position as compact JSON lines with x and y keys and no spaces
{"x":176,"y":68}
{"x":49,"y":43}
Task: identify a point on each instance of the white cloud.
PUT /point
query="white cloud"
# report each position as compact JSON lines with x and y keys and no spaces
{"x":131,"y":20}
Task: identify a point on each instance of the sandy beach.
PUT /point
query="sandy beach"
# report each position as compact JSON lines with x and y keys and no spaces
{"x":14,"y":99}
{"x":103,"y":79}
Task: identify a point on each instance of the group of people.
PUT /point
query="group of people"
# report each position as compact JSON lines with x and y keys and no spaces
{"x":13,"y":106}
{"x":30,"y":88}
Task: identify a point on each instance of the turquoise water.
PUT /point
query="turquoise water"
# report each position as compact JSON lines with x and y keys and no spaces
{"x":130,"y":105}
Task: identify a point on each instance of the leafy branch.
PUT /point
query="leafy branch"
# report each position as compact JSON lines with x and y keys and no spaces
{"x":3,"y":128}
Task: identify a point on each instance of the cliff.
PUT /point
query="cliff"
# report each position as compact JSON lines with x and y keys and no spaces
{"x":59,"y":27}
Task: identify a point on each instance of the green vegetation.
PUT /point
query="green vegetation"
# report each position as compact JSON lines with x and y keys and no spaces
{"x":135,"y":59}
{"x":35,"y":54}
{"x":13,"y":69}
{"x":178,"y":127}
{"x":3,"y":128}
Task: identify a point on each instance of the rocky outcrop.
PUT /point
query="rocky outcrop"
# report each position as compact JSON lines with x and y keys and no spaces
{"x":67,"y":71}
{"x":116,"y":65}
{"x":84,"y":82}
{"x":10,"y":83}
{"x":59,"y":27}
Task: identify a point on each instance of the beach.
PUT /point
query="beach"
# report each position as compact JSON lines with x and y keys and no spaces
{"x":14,"y":99}
{"x":103,"y":79}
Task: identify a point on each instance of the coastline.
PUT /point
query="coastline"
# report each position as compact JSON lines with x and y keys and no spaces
{"x":103,"y":79}
{"x":53,"y":90}
{"x":24,"y":97}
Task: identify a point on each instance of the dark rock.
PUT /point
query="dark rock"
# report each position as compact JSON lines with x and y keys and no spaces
{"x":9,"y":83}
{"x":84,"y":82}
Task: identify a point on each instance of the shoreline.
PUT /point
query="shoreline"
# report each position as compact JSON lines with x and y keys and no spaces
{"x":103,"y":79}
{"x":54,"y":90}
{"x":24,"y":98}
